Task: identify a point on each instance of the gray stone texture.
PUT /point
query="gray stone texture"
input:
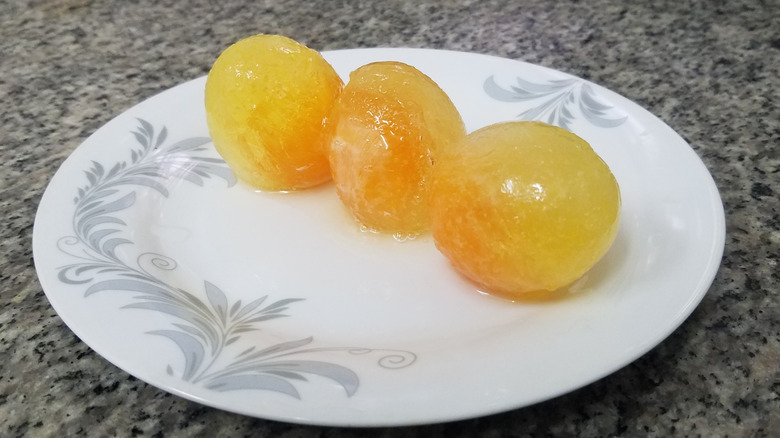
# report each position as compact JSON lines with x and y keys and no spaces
{"x":709,"y":69}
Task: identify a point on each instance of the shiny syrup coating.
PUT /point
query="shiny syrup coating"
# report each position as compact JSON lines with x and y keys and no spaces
{"x":390,"y":122}
{"x":267,"y":102}
{"x":523,"y":207}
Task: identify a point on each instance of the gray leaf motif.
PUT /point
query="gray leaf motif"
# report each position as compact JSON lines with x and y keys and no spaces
{"x":191,"y":347}
{"x":207,"y":326}
{"x":556,"y":101}
{"x":275,"y":376}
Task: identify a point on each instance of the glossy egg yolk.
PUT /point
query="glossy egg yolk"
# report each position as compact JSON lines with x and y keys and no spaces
{"x":390,"y":123}
{"x":267,"y":102}
{"x":523,"y":207}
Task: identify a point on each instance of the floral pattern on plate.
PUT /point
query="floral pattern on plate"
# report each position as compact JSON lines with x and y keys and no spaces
{"x":205,"y":328}
{"x":558,"y":101}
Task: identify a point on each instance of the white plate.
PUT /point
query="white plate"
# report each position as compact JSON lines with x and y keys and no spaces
{"x":158,"y":260}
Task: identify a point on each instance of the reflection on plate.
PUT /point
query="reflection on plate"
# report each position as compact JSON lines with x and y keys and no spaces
{"x":278,"y":306}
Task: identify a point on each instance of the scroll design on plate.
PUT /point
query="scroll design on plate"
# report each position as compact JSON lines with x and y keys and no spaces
{"x":207,"y":331}
{"x":557,"y":101}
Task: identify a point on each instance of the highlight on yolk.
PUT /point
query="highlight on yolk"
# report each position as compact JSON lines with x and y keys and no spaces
{"x":523,"y":207}
{"x":267,"y":102}
{"x":390,"y":123}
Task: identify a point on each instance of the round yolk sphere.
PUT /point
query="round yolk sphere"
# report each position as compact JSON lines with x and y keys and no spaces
{"x":523,"y":207}
{"x":267,"y":101}
{"x":390,"y":122}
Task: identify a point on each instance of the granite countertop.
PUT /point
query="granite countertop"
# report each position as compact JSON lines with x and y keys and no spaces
{"x":708,"y":69}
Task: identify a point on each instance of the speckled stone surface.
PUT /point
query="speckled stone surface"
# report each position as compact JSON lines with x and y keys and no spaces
{"x":708,"y":69}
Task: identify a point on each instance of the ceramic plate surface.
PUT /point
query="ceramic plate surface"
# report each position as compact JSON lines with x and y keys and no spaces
{"x":278,"y":306}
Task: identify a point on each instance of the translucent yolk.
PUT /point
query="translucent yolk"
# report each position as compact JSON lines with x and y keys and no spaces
{"x":389,"y":123}
{"x":522,"y":207}
{"x":267,"y":102}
